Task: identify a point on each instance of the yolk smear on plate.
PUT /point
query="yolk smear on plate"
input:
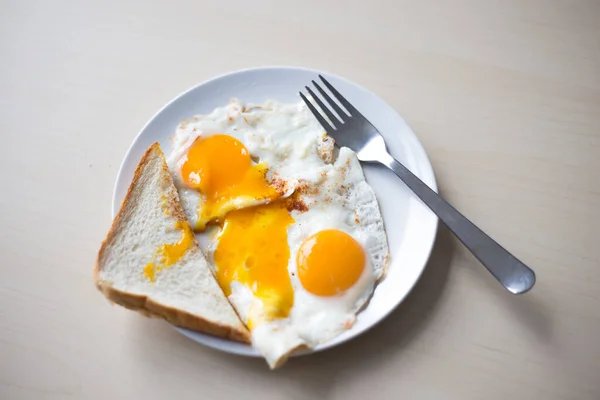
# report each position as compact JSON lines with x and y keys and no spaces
{"x":168,"y":254}
{"x":329,"y":262}
{"x":221,"y":169}
{"x":253,"y":250}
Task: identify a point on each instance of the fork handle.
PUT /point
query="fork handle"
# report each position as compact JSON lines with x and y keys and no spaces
{"x":506,"y":268}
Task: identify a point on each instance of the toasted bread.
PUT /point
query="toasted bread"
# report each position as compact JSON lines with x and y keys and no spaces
{"x":132,"y":272}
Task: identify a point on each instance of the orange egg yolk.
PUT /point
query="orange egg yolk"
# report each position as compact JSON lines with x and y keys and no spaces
{"x":221,"y":169}
{"x":329,"y":262}
{"x":168,"y":254}
{"x":253,"y":250}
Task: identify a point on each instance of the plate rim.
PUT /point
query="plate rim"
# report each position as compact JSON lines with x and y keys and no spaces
{"x":425,"y":164}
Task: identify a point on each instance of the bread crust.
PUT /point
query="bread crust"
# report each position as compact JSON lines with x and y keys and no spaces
{"x":141,"y":303}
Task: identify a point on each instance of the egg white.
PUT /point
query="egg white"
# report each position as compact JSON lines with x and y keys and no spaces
{"x":292,"y":143}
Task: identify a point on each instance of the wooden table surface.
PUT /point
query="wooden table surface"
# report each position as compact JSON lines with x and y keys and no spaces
{"x":504,"y":95}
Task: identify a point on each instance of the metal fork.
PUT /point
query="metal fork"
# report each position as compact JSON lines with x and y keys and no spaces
{"x":351,"y":129}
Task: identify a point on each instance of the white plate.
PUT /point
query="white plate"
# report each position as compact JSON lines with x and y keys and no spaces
{"x":411,"y":227}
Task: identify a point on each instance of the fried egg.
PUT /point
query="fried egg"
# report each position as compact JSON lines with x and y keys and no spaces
{"x":301,"y":242}
{"x":240,"y":156}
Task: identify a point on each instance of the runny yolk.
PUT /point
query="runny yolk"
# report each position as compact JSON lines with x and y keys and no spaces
{"x":168,"y":254}
{"x":220,"y":167}
{"x":253,"y":250}
{"x":329,"y":262}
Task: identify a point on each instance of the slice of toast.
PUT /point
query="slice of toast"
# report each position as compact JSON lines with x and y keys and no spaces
{"x":150,"y":260}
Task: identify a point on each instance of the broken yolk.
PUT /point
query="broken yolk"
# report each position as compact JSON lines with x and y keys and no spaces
{"x":221,"y":169}
{"x":253,"y":250}
{"x":329,"y":262}
{"x":168,"y":254}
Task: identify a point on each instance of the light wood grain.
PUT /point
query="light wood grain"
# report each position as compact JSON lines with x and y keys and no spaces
{"x":504,"y":95}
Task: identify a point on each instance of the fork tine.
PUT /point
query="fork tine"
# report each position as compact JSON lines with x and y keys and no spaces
{"x":328,"y":128}
{"x":343,"y":115}
{"x":349,"y":107}
{"x":334,"y":120}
